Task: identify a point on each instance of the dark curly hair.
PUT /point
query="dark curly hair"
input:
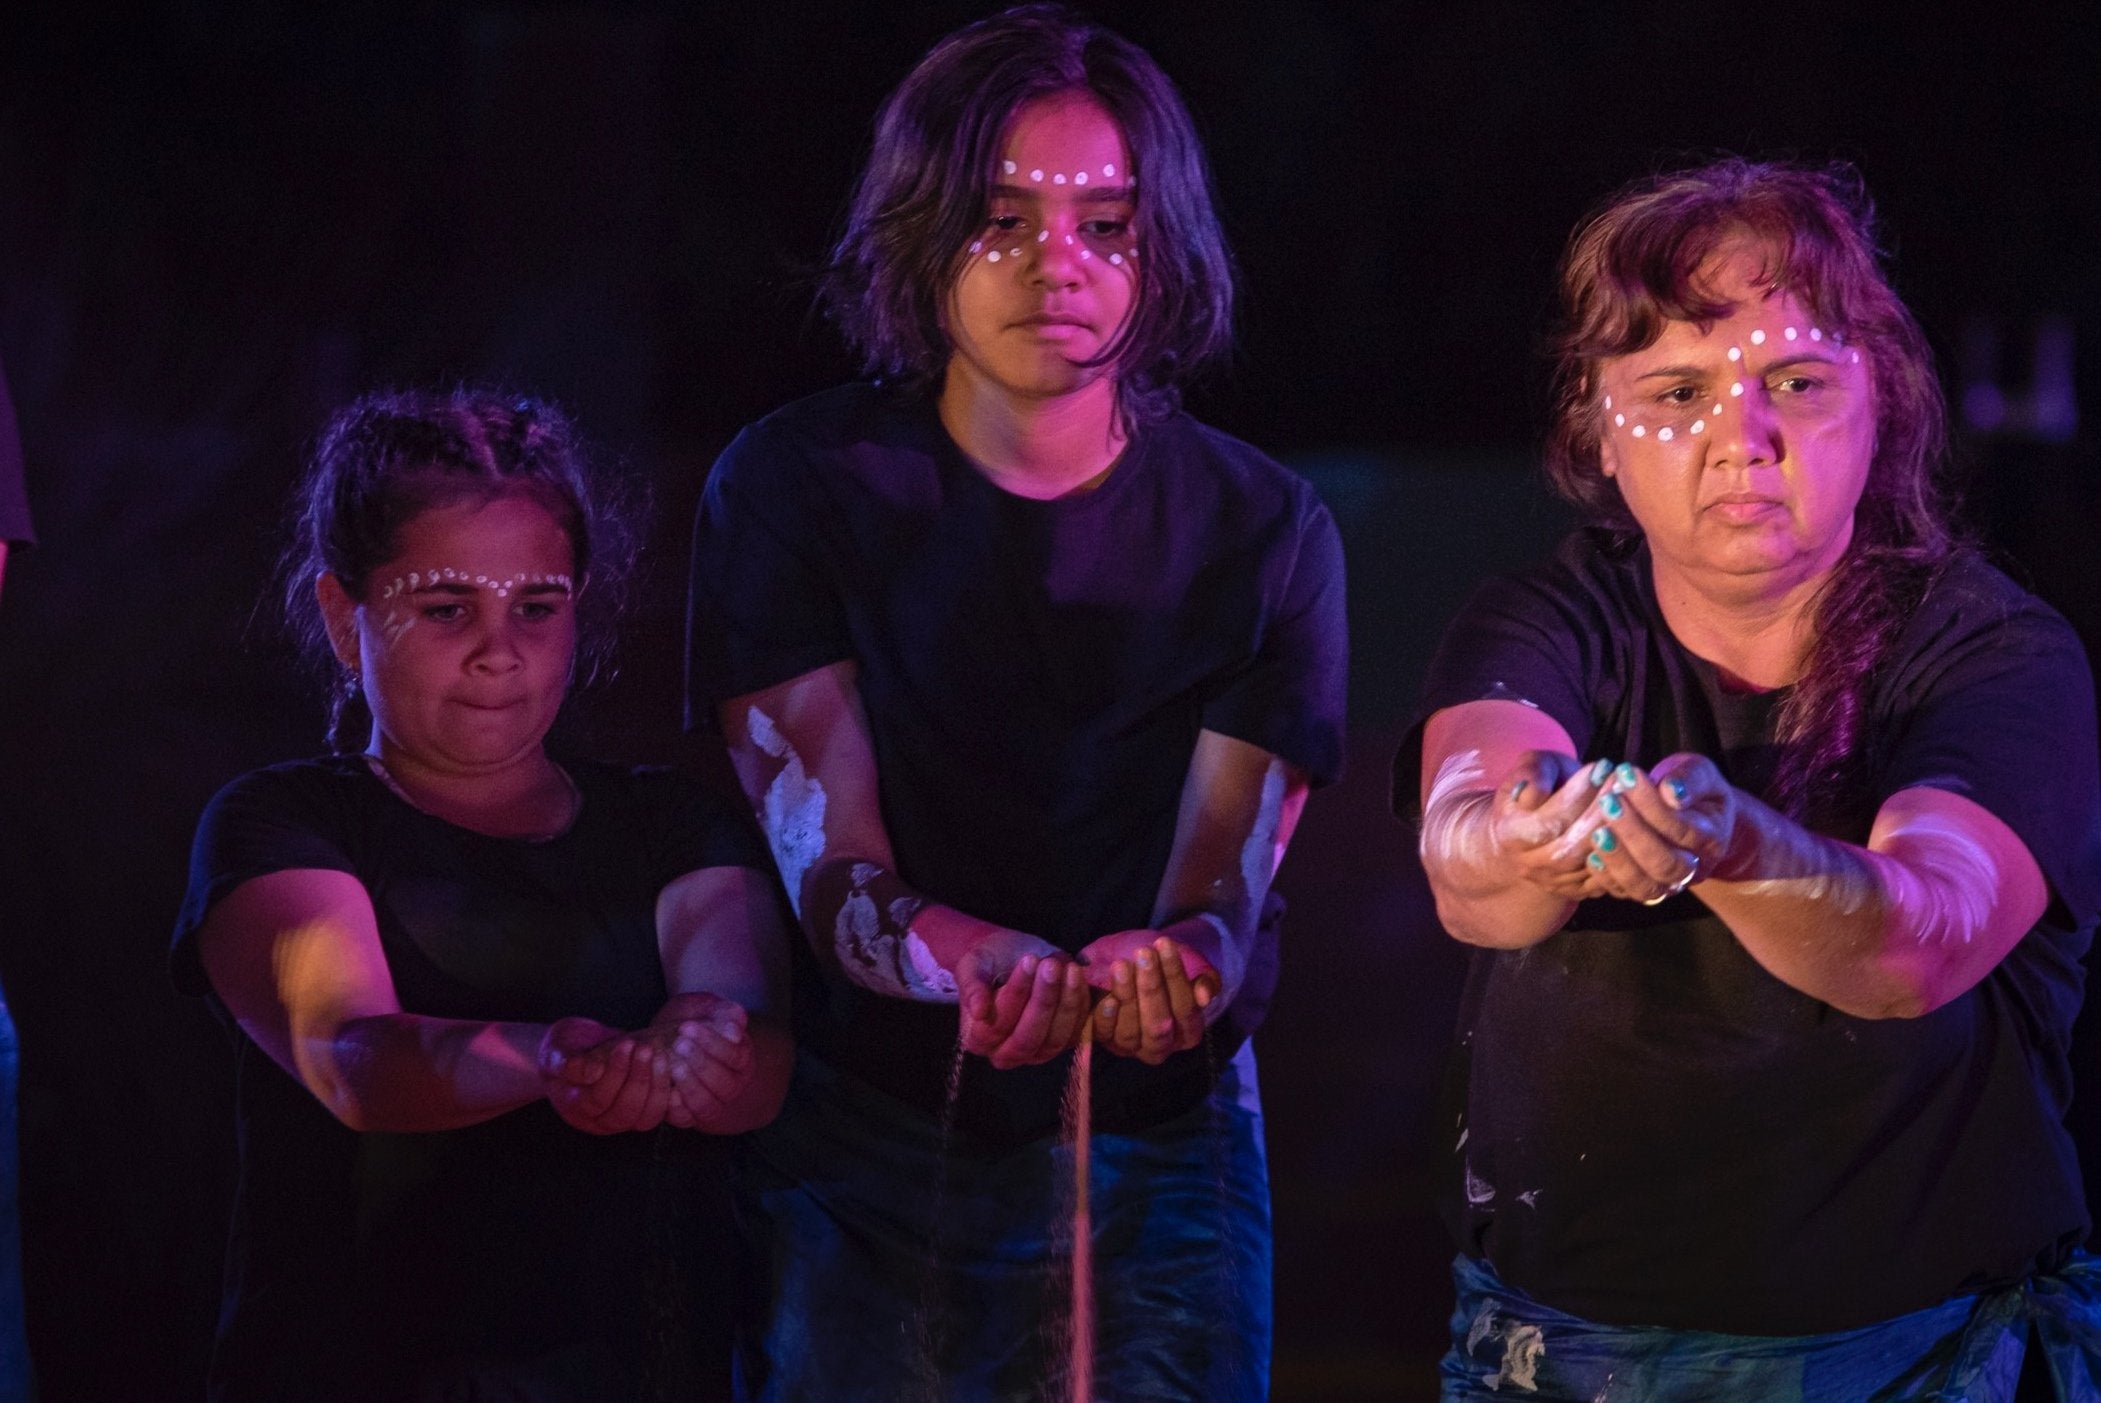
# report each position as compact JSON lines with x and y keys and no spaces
{"x":1637,"y":262}
{"x":388,"y":457}
{"x":927,"y":187}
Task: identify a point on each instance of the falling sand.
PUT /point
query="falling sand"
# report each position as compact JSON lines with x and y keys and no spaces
{"x":1077,"y":1133}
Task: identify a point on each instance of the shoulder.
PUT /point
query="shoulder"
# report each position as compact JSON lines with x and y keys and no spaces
{"x":1203,"y":459}
{"x":1594,"y":580}
{"x":656,"y":803}
{"x":833,"y":427}
{"x":294,"y":789}
{"x":1972,"y":612}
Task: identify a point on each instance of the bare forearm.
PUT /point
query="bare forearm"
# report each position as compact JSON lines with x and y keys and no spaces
{"x":1482,"y":897}
{"x":1890,"y":931}
{"x":408,"y":1072}
{"x":883,"y":935}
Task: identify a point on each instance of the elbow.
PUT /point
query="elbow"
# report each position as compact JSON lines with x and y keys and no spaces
{"x":1897,"y":993}
{"x":1467,"y":923}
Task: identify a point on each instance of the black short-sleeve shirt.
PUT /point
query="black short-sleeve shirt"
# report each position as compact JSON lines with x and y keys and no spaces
{"x":1655,"y":1130}
{"x":1035,"y":675}
{"x":367,"y":1265}
{"x":14,"y":496}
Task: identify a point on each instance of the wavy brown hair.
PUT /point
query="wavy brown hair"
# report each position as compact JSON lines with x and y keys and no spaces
{"x":1639,"y":261}
{"x":928,"y":184}
{"x":387,"y":458}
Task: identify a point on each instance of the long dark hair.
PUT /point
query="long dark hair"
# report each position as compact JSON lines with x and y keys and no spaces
{"x":927,"y":187}
{"x":1636,"y":263}
{"x":387,"y":458}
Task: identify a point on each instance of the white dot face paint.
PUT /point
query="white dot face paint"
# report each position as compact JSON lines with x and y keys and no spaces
{"x":1736,"y":353}
{"x":1080,"y":178}
{"x":1058,"y":179}
{"x":1608,"y":401}
{"x":793,"y":811}
{"x":1699,"y":426}
{"x":1736,"y":390}
{"x":1036,"y":175}
{"x":1789,"y":333}
{"x":1109,"y":172}
{"x":1663,"y":435}
{"x":1758,"y":338}
{"x":1619,"y":421}
{"x":992,"y":257}
{"x":1816,"y":333}
{"x":1640,"y":431}
{"x":1007,"y":166}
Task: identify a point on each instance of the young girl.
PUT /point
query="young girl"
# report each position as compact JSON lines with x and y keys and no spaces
{"x":1027,"y":675}
{"x":430,"y":947}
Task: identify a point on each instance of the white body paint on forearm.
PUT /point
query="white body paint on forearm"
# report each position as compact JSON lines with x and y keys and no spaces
{"x":1454,"y":819}
{"x":885,"y":955}
{"x":1809,"y":868}
{"x":1955,"y":902}
{"x":1259,"y":856}
{"x":793,"y":815}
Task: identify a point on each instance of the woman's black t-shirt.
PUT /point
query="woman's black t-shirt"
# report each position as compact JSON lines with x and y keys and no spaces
{"x":1656,"y":1131}
{"x":518,"y":1250}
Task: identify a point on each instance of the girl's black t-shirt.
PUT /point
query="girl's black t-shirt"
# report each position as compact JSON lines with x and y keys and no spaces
{"x":1652,"y":1129}
{"x":518,"y":1254}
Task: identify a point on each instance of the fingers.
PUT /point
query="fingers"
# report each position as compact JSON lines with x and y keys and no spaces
{"x":1553,"y":819}
{"x":1054,"y":997}
{"x":709,"y":1070}
{"x":1642,"y":847}
{"x":1117,"y":1024}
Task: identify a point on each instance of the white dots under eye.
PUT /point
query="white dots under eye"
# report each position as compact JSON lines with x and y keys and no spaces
{"x":1639,"y":431}
{"x":1117,"y":259}
{"x":1699,"y":426}
{"x":1014,"y":252}
{"x":1816,"y":333}
{"x":1036,"y":175}
{"x":1080,"y":179}
{"x":1058,"y":179}
{"x":1736,"y":391}
{"x":1758,"y":338}
{"x":1068,"y":238}
{"x":977,"y":246}
{"x":1043,"y":236}
{"x":1608,"y":401}
{"x":1619,"y":421}
{"x":1007,"y":166}
{"x":1717,"y":409}
{"x":1086,"y":253}
{"x":1663,"y":435}
{"x":992,"y":257}
{"x":1109,"y":172}
{"x":1856,"y":358}
{"x":1736,"y":353}
{"x":1789,"y":333}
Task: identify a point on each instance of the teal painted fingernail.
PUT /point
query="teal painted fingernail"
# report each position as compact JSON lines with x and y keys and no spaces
{"x":1595,"y":863}
{"x":1602,"y":840}
{"x":1612,"y":806}
{"x":1628,"y":776}
{"x":1599,"y":771}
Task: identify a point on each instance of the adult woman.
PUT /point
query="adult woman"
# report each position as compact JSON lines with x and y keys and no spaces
{"x":1028,"y":675}
{"x":430,"y":949}
{"x":1767,"y":1035}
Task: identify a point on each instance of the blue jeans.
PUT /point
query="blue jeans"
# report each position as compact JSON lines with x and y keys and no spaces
{"x":1506,"y":1345}
{"x":15,"y":1385}
{"x":890,"y":1271}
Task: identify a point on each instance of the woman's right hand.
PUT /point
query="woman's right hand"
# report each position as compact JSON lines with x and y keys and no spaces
{"x":1539,"y":823}
{"x":1021,"y":999}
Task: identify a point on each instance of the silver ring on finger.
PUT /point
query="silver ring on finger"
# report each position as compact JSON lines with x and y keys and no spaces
{"x":1690,"y":875}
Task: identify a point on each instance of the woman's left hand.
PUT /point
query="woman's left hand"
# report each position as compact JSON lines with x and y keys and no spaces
{"x":1654,"y":834}
{"x":710,"y":1057}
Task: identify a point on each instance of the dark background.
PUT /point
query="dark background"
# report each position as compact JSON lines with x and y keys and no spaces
{"x":219,"y":221}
